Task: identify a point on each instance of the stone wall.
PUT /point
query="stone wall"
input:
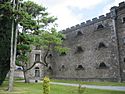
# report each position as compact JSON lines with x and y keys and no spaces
{"x":96,"y":51}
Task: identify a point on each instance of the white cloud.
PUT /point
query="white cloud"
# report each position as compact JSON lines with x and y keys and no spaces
{"x":60,"y":9}
{"x":114,"y":3}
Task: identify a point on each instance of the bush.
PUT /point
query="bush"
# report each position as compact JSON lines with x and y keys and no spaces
{"x":46,"y":85}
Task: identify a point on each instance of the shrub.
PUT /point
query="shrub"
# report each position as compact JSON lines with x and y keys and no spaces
{"x":46,"y":85}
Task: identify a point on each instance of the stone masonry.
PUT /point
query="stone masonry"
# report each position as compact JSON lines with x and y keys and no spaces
{"x":97,"y":50}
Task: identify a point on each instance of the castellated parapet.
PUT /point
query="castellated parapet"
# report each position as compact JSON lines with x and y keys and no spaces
{"x":88,"y":22}
{"x":94,"y":20}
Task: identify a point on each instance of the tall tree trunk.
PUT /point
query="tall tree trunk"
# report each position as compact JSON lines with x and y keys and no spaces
{"x":13,"y":53}
{"x":12,"y":65}
{"x":26,"y":76}
{"x":25,"y":73}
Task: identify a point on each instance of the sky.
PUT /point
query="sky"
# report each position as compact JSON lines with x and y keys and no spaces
{"x":72,"y":12}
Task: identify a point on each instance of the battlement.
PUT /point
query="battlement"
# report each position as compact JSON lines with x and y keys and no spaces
{"x":88,"y":22}
{"x":94,"y":20}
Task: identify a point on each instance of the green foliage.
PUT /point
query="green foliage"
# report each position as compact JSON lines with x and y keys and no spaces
{"x":5,"y":37}
{"x":51,"y":40}
{"x":46,"y":85}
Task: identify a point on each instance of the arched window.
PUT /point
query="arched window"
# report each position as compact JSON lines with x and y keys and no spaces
{"x":79,"y":67}
{"x":102,"y":65}
{"x":37,"y":72}
{"x":102,"y":45}
{"x":100,"y":26}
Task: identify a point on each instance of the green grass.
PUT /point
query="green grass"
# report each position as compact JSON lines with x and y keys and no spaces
{"x":90,"y":83}
{"x":36,"y":88}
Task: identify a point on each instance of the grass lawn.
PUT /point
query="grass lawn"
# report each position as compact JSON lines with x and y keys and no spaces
{"x":36,"y":88}
{"x":90,"y":83}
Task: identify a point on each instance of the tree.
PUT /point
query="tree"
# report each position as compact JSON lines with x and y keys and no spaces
{"x":51,"y":41}
{"x":5,"y":37}
{"x":34,"y":20}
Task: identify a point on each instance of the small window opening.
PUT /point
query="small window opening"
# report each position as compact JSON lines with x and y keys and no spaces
{"x":63,"y":67}
{"x":49,"y":68}
{"x":124,"y":40}
{"x":100,"y":26}
{"x":36,"y":68}
{"x":102,"y":45}
{"x":19,"y":68}
{"x":79,"y":49}
{"x":102,"y":65}
{"x":124,"y":59}
{"x":79,"y":33}
{"x":62,"y":53}
{"x":50,"y":55}
{"x":123,"y":20}
{"x":79,"y":67}
{"x":37,"y":72}
{"x":37,"y":57}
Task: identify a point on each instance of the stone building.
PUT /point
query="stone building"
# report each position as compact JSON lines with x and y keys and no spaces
{"x":97,"y":50}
